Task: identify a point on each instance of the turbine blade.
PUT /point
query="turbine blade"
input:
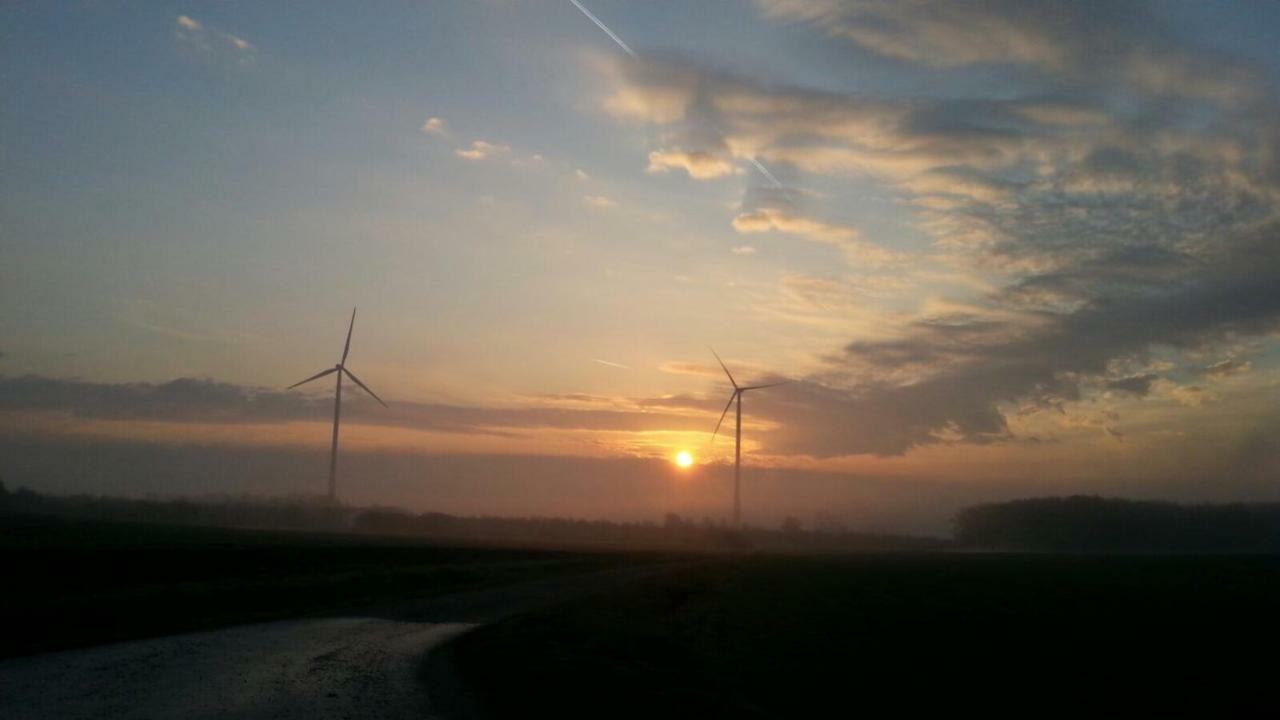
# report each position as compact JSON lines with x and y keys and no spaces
{"x":726,"y":369}
{"x":347,"y":348}
{"x":726,"y":412}
{"x":318,"y":375}
{"x":767,"y":385}
{"x":362,"y":385}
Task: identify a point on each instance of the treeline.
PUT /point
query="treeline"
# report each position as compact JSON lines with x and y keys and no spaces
{"x":318,"y":514}
{"x":288,"y":513}
{"x":1097,"y":524}
{"x":673,"y":532}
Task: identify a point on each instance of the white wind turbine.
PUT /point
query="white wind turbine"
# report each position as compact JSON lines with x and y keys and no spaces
{"x":737,"y":444}
{"x":340,"y":369}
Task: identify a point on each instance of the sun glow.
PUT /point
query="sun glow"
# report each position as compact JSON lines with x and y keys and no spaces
{"x":684,"y":458}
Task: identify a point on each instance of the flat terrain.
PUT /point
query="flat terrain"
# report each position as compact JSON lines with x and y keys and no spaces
{"x":341,"y":625}
{"x":74,"y":583}
{"x":365,"y":611}
{"x":950,"y":634}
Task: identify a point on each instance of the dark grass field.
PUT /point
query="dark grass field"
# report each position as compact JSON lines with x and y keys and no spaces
{"x":943,"y":634}
{"x":70,"y":583}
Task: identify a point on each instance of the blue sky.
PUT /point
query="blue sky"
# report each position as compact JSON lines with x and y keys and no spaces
{"x":999,"y":226}
{"x":232,"y":195}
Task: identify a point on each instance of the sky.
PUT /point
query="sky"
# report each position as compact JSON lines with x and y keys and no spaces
{"x":997,"y":249}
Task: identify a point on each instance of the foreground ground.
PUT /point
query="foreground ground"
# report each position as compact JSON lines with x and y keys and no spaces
{"x":945,"y":633}
{"x":80,"y":583}
{"x":304,"y":669}
{"x":90,"y":608}
{"x":579,"y":634}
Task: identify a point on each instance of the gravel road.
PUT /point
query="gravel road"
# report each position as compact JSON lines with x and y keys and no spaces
{"x":309,"y":669}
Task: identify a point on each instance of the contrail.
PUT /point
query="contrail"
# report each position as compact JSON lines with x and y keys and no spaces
{"x":614,"y":36}
{"x":764,"y":171}
{"x":611,"y":364}
{"x":604,"y":27}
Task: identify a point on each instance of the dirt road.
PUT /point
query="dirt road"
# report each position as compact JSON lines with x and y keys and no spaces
{"x":307,"y":669}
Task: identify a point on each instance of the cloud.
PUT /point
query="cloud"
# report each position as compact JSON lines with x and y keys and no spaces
{"x":435,"y":126}
{"x":699,"y":165}
{"x":192,"y":400}
{"x":197,"y":35}
{"x":955,"y":373}
{"x":858,"y":253}
{"x":776,"y":210}
{"x":1120,"y":198}
{"x":1063,"y":114}
{"x":1082,"y":42}
{"x":599,"y":201}
{"x":951,"y":149}
{"x":482,"y":150}
{"x":1227,"y":368}
{"x":939,"y":33}
{"x":1189,"y":395}
{"x":765,"y":219}
{"x":1139,"y":385}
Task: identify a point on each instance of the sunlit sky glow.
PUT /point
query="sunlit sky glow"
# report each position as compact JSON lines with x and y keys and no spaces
{"x":1018,"y":247}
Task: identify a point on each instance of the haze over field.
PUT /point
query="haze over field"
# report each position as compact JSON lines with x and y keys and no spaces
{"x":1000,"y":249}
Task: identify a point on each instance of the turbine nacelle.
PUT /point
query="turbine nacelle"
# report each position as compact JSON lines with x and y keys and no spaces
{"x":341,"y":367}
{"x":737,"y":392}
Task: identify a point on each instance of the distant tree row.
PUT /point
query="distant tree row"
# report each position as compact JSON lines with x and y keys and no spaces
{"x":1096,"y":524}
{"x":317,"y":513}
{"x":286,"y":513}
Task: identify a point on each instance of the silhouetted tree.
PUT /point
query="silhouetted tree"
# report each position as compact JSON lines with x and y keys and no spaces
{"x":1088,"y":523}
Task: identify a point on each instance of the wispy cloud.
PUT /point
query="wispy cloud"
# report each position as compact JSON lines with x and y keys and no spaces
{"x":699,"y":165}
{"x":482,"y":150}
{"x":1083,"y":42}
{"x":1227,"y":368}
{"x":765,"y":218}
{"x":599,"y":201}
{"x":191,"y":400}
{"x":434,"y":126}
{"x":199,"y":36}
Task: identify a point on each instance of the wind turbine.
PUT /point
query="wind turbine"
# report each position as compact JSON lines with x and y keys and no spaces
{"x":340,"y":369}
{"x":738,"y":390}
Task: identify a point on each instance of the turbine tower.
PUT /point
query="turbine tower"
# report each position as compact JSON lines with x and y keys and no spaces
{"x":737,"y":443}
{"x":340,"y":369}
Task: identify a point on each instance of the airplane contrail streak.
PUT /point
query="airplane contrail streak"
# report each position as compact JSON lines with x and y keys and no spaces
{"x":604,"y":27}
{"x":611,"y":364}
{"x":614,"y":36}
{"x":764,"y":171}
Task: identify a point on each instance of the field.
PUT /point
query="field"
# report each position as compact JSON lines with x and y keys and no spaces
{"x":71,"y":583}
{"x":577,"y":634}
{"x":794,"y":637}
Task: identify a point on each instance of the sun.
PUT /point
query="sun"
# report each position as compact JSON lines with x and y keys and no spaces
{"x":684,"y":458}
